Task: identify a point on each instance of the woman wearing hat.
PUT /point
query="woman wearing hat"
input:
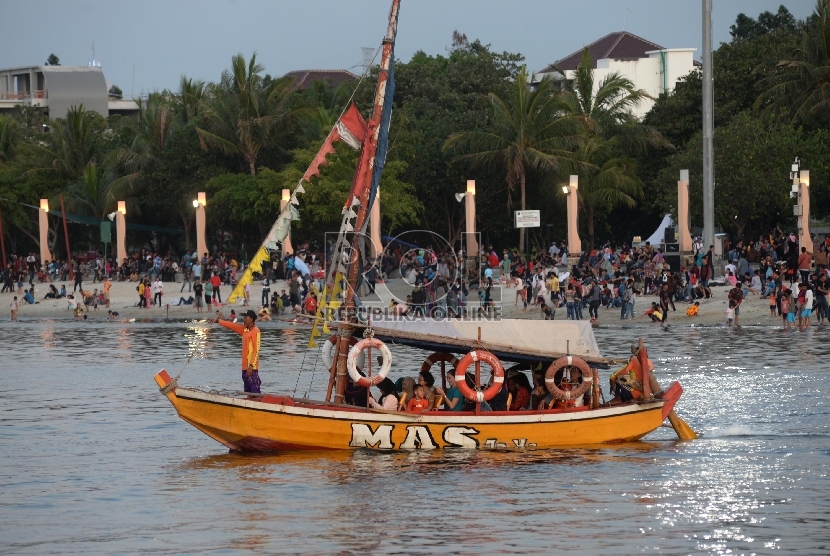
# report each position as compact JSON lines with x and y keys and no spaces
{"x":251,"y":338}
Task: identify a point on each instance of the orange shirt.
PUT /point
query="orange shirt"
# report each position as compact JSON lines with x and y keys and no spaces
{"x":416,"y":405}
{"x":107,"y":286}
{"x":250,"y":342}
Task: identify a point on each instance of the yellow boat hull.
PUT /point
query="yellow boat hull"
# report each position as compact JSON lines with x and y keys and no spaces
{"x":278,"y":424}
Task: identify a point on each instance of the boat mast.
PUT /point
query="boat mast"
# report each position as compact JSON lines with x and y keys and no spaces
{"x":361,"y":190}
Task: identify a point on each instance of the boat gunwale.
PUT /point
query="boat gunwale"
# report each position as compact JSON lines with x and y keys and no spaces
{"x":434,"y":417}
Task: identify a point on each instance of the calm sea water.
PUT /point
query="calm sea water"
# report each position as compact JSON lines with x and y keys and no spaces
{"x":94,"y":459}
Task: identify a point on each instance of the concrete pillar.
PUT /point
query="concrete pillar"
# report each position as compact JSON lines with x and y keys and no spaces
{"x":804,"y":239}
{"x":684,"y":238}
{"x":374,"y":227}
{"x":286,"y":243}
{"x":201,"y":238}
{"x":470,"y":210}
{"x":121,"y":233}
{"x":43,"y":222}
{"x":574,"y":243}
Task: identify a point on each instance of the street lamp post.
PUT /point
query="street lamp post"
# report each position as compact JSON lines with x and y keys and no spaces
{"x":120,"y":233}
{"x":201,"y":239}
{"x":574,"y":243}
{"x":43,"y":223}
{"x":286,"y":243}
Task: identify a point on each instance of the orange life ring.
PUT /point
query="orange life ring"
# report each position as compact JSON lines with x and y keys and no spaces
{"x":569,"y":361}
{"x":461,"y":376}
{"x":438,"y":357}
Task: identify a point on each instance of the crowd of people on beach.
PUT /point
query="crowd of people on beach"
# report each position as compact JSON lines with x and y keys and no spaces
{"x":792,"y":277}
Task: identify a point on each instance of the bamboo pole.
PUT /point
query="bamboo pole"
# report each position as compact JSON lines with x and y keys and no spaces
{"x":66,"y":236}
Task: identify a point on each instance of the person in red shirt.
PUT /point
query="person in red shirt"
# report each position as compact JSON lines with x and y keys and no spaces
{"x":251,"y":338}
{"x":804,"y":261}
{"x":418,"y":403}
{"x":519,"y":386}
{"x":310,"y":304}
{"x":215,"y":281}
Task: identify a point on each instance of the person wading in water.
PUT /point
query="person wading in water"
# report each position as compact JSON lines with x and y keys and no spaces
{"x":251,"y":337}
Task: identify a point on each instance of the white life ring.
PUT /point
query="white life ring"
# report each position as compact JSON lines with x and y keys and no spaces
{"x":330,"y":351}
{"x":357,"y":351}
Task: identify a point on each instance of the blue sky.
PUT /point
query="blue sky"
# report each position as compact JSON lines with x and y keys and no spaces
{"x":164,"y":39}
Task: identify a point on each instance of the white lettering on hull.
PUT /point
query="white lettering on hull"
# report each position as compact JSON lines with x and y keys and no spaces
{"x":418,"y":438}
{"x":364,"y":437}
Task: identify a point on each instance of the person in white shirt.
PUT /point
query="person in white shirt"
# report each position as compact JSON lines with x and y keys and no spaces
{"x":158,"y":291}
{"x":805,"y":317}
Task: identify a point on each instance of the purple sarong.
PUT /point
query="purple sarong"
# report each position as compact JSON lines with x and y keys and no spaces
{"x":252,"y":383}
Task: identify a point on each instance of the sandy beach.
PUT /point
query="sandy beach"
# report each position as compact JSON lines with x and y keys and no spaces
{"x":123,"y":300}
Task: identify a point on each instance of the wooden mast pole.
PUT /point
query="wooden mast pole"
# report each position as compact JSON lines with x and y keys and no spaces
{"x":363,"y":182}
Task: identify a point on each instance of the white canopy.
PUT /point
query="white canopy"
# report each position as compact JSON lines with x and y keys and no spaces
{"x":659,"y":236}
{"x":511,"y":339}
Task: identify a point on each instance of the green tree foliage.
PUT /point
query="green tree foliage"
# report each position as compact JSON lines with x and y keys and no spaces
{"x":9,"y":137}
{"x":801,"y":84}
{"x":116,"y":92}
{"x":53,"y":60}
{"x":747,"y":28}
{"x":72,"y":144}
{"x":530,"y":130}
{"x":752,"y":160}
{"x":609,"y":137}
{"x":242,"y":115}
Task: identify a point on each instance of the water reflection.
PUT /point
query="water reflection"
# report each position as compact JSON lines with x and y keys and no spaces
{"x":97,"y":462}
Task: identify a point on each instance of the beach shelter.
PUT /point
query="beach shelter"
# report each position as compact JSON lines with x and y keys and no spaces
{"x":659,"y":235}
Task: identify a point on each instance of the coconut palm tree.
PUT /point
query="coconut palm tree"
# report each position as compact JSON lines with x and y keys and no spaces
{"x":9,"y":137}
{"x":609,"y":135}
{"x":242,"y":114}
{"x":801,"y":84}
{"x":530,"y":130}
{"x":97,"y":194}
{"x":156,"y":124}
{"x":71,"y":146}
{"x":187,"y":101}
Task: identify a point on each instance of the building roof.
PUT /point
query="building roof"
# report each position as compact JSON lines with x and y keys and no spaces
{"x":617,"y":46}
{"x":304,"y":78}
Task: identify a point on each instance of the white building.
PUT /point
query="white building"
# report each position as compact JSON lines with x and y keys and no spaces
{"x":649,"y":66}
{"x":58,"y":88}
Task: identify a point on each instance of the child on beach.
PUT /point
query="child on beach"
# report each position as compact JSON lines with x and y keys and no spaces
{"x":14,"y":307}
{"x":771,"y":306}
{"x":693,"y":309}
{"x":730,"y":314}
{"x":419,"y":402}
{"x":786,"y":303}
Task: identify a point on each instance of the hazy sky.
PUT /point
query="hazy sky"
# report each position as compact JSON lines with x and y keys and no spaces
{"x":165,"y":39}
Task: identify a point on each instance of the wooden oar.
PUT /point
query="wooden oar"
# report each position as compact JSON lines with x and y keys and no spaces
{"x":684,"y":431}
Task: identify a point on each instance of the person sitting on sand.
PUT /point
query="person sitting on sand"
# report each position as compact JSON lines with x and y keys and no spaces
{"x":29,"y":296}
{"x":655,"y":313}
{"x":693,"y":309}
{"x":111,"y":315}
{"x":264,"y":314}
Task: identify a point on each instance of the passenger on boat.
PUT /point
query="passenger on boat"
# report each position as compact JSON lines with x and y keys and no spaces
{"x":418,"y":403}
{"x":499,"y":401}
{"x":573,"y":383}
{"x":519,"y":386}
{"x":426,"y":380}
{"x":356,"y":395}
{"x":388,"y":398}
{"x":539,"y":396}
{"x":627,"y":383}
{"x":453,"y":400}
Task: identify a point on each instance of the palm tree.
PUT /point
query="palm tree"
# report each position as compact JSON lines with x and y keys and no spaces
{"x":187,"y":101}
{"x":801,"y":86}
{"x":156,"y":124}
{"x":71,"y":147}
{"x":242,"y":114}
{"x":530,"y":131}
{"x":9,"y":137}
{"x":96,"y":194}
{"x":609,"y":134}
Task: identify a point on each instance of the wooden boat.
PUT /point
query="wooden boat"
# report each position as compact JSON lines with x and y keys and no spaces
{"x":277,"y":422}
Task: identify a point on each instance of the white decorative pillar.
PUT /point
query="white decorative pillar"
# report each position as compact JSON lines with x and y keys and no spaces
{"x":201,"y":238}
{"x":121,"y":233}
{"x":43,"y":223}
{"x":286,"y":243}
{"x":804,"y":239}
{"x":684,"y":238}
{"x":574,"y":243}
{"x":470,"y":209}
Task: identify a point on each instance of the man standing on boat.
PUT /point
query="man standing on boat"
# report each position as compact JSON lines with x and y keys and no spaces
{"x":250,"y":349}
